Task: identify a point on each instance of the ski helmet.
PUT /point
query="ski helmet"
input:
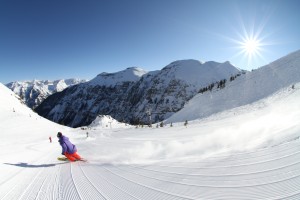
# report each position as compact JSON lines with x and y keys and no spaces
{"x":59,"y":134}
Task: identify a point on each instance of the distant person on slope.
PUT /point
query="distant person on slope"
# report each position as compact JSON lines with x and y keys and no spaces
{"x":68,"y":149}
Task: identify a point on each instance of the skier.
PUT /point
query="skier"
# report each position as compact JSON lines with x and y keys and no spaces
{"x":68,"y":149}
{"x":50,"y":139}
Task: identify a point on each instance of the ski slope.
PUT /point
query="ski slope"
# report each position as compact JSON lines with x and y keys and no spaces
{"x":250,"y":152}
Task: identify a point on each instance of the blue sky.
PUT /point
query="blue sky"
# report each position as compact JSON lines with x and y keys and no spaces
{"x":54,"y":39}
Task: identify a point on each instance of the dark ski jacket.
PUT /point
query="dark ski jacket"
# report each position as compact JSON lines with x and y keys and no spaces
{"x":66,"y":145}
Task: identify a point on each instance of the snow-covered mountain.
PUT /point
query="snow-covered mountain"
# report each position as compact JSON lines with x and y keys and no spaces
{"x":36,"y":91}
{"x":129,"y":94}
{"x":163,"y":93}
{"x":107,"y":122}
{"x":247,"y":89}
{"x":131,"y":74}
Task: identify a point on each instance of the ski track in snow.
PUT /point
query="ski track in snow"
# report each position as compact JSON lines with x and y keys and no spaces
{"x":269,"y":173}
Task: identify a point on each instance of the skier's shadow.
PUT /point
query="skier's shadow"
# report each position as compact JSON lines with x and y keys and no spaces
{"x":21,"y":164}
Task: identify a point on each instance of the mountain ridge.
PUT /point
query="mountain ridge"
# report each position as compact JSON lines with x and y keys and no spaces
{"x":164,"y":92}
{"x":130,"y":74}
{"x":34,"y":92}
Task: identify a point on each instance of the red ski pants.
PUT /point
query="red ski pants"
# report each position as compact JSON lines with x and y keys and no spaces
{"x":73,"y":157}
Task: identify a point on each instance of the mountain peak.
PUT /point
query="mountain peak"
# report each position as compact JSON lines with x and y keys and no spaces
{"x":198,"y":73}
{"x":179,"y":63}
{"x":130,"y":74}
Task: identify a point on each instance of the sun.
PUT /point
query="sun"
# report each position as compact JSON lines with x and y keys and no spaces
{"x":251,"y":46}
{"x":249,"y":42}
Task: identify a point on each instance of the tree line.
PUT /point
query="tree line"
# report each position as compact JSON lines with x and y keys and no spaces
{"x":220,"y":84}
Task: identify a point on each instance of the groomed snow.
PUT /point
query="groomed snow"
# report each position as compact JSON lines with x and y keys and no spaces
{"x":250,"y":152}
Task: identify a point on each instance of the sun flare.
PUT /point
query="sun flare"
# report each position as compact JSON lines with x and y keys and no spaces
{"x":251,"y":46}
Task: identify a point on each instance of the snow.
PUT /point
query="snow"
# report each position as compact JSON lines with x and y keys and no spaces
{"x":45,"y":86}
{"x":131,"y":74}
{"x":34,"y":92}
{"x":106,"y":122}
{"x":199,"y":74}
{"x":246,"y":89}
{"x":249,"y":152}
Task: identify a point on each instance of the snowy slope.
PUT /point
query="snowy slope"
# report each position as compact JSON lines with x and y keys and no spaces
{"x":246,"y":89}
{"x":36,"y":91}
{"x":106,"y":121}
{"x":18,"y":120}
{"x":250,"y":152}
